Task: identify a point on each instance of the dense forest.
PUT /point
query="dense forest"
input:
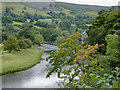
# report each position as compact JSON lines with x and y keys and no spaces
{"x":93,"y":64}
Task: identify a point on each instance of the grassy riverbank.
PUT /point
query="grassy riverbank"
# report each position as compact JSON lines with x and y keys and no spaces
{"x":18,"y":61}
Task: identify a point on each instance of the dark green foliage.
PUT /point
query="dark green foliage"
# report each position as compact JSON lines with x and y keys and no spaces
{"x":27,"y":32}
{"x":51,"y":5}
{"x":106,"y":23}
{"x":111,"y":58}
{"x":8,"y":10}
{"x":112,"y":50}
{"x":65,"y":24}
{"x":9,"y":30}
{"x":41,"y":24}
{"x":49,"y":35}
{"x":20,"y":19}
{"x":25,"y":8}
{"x":22,"y":11}
{"x":28,"y":15}
{"x":32,"y":20}
{"x":4,"y":36}
{"x":7,"y":19}
{"x":56,"y":15}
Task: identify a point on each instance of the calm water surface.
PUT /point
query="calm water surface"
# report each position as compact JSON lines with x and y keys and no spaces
{"x":33,"y":77}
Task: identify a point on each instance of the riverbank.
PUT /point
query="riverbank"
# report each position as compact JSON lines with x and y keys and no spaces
{"x":18,"y":61}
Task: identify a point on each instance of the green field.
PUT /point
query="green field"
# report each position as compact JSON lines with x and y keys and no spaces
{"x":46,"y":20}
{"x":88,"y":25}
{"x":38,"y":27}
{"x":92,"y":14}
{"x":17,"y":23}
{"x":28,"y":20}
{"x":20,"y":60}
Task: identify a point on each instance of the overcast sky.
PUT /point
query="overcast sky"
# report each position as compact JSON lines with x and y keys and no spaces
{"x":93,"y":2}
{"x":89,"y":2}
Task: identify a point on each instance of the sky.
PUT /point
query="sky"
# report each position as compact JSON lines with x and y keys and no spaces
{"x":89,"y":2}
{"x":93,"y":2}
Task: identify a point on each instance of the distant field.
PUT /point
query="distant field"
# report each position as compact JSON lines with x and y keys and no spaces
{"x":45,"y":20}
{"x":18,"y":8}
{"x":18,"y":61}
{"x":88,"y":25}
{"x":38,"y":27}
{"x":17,"y":23}
{"x":73,"y":25}
{"x":93,"y":14}
{"x":28,"y":20}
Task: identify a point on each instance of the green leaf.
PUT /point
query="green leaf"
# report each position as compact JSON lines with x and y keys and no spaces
{"x":115,"y":85}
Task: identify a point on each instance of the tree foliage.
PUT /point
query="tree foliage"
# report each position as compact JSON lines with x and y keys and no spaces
{"x":25,"y":43}
{"x":111,"y":58}
{"x":106,"y":23}
{"x":78,"y":59}
{"x":39,"y":39}
{"x":11,"y":44}
{"x":60,"y":39}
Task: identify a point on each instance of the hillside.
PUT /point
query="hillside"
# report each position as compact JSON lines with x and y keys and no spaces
{"x":60,"y":19}
{"x":84,"y":9}
{"x":43,"y":7}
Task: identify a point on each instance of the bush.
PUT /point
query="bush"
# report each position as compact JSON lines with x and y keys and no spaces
{"x":22,"y":44}
{"x":25,"y":43}
{"x":28,"y":42}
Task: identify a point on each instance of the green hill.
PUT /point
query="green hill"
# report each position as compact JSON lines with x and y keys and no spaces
{"x":52,"y":20}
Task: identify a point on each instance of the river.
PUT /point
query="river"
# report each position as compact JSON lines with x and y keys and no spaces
{"x":33,"y":77}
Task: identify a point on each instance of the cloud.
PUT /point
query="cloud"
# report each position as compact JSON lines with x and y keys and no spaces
{"x":93,"y":2}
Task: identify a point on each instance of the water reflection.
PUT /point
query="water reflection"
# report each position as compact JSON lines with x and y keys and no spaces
{"x":33,"y":77}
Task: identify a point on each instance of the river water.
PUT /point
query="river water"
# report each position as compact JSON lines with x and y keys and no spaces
{"x":33,"y":77}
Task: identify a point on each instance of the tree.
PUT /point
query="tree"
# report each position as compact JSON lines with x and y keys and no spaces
{"x":60,"y":39}
{"x":38,"y":39}
{"x":104,"y":24}
{"x":7,"y":19}
{"x":23,"y":11}
{"x":4,"y":36}
{"x":25,"y":43}
{"x":65,"y":33}
{"x":111,"y":58}
{"x":22,"y":44}
{"x":25,"y":8}
{"x":101,"y":11}
{"x":32,"y":20}
{"x":51,"y":5}
{"x":49,"y":35}
{"x":11,"y":44}
{"x":65,"y":24}
{"x":26,"y":32}
{"x":78,"y":59}
{"x":28,"y":42}
{"x":7,"y":10}
{"x":45,"y":8}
